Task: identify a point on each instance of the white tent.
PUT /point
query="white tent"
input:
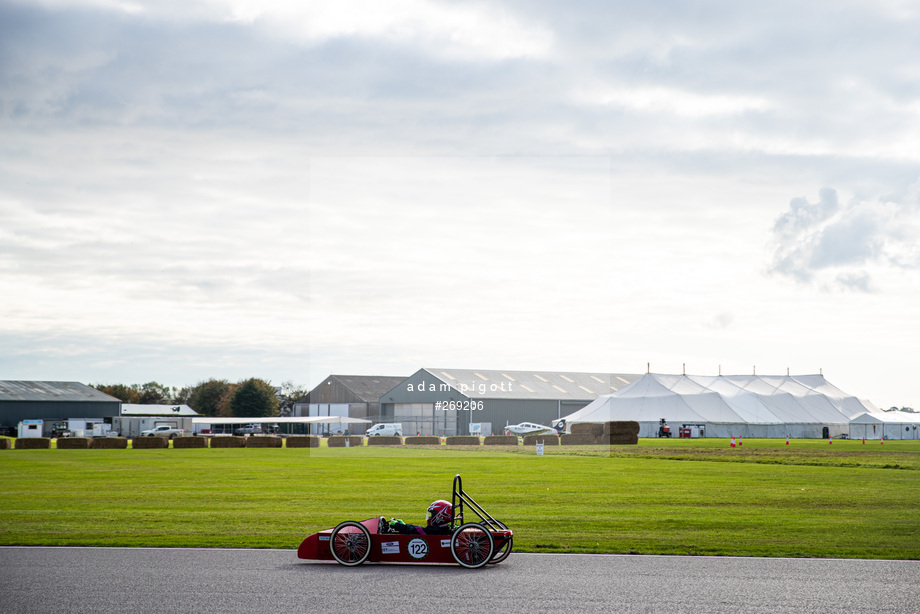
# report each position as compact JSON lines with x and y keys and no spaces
{"x":887,"y":424}
{"x":731,"y":405}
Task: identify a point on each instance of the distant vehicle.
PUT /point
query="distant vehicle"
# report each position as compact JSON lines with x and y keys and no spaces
{"x":60,"y":429}
{"x":663,"y":429}
{"x":529,"y":428}
{"x":249,"y":429}
{"x":164,"y":430}
{"x":391,"y":429}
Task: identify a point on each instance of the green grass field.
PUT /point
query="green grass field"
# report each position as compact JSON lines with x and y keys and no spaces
{"x":809,"y":499}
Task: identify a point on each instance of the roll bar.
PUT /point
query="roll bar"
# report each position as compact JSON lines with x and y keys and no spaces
{"x":461,"y":499}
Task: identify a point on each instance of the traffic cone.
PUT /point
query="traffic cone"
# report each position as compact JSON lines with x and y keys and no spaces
{"x":740,"y":441}
{"x":864,"y":440}
{"x":830,"y":439}
{"x":787,"y":440}
{"x":882,"y":440}
{"x":733,"y":441}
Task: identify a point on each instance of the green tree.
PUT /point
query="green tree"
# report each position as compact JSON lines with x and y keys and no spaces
{"x":254,"y":398}
{"x":153,"y":393}
{"x":290,"y":394}
{"x":205,"y":398}
{"x":127,"y":394}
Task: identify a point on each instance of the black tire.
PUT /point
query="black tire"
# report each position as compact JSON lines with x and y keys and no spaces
{"x":350,"y":543}
{"x":472,"y":545}
{"x":501,"y":553}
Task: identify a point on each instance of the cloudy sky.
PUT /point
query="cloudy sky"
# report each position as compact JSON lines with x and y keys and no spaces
{"x":232,"y":188}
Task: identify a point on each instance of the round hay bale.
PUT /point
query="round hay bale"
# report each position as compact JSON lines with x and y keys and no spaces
{"x":422,"y":440}
{"x":587,"y":428}
{"x":625,"y":427}
{"x":228,"y":442}
{"x":549,"y":440}
{"x":33,"y":443}
{"x":5,"y":443}
{"x":73,"y":443}
{"x":109,"y":443}
{"x":302,"y":441}
{"x":463,"y":440}
{"x":186,"y":443}
{"x":501,"y":440}
{"x":579,"y":439}
{"x":384,"y":441}
{"x":338,"y":441}
{"x":264,"y":441}
{"x":149,"y":443}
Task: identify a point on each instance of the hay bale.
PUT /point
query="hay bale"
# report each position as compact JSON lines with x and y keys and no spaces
{"x":108,"y":443}
{"x":190,"y":442}
{"x":33,"y":443}
{"x":149,"y":443}
{"x":578,"y":439}
{"x":380,"y":440}
{"x":422,"y":440}
{"x":338,"y":441}
{"x":73,"y":443}
{"x":549,"y":440}
{"x":264,"y":441}
{"x":593,"y":429}
{"x":463,"y":440}
{"x":302,"y":441}
{"x":501,"y":440}
{"x":231,"y":441}
{"x":621,"y":427}
{"x":618,"y":440}
{"x":5,"y":443}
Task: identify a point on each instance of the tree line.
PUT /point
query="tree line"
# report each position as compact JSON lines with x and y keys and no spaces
{"x":250,"y":398}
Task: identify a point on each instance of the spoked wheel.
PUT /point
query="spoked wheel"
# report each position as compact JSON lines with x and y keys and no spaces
{"x":502,"y":552}
{"x":350,"y":543}
{"x":472,"y":545}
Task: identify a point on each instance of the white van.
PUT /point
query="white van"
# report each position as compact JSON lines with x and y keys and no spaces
{"x":385,"y":430}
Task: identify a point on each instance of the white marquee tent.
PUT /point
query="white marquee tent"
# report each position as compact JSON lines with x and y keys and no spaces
{"x":799,"y":406}
{"x":887,"y":424}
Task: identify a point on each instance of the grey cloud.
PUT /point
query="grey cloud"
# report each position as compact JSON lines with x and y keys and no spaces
{"x":811,"y":238}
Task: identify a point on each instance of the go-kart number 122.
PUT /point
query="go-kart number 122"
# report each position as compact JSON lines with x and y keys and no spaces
{"x":418,"y":548}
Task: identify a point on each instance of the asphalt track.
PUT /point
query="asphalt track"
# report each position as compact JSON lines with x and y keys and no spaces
{"x":141,"y":580}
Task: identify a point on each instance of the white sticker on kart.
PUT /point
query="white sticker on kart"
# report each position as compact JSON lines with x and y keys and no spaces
{"x":390,"y":547}
{"x":418,"y":548}
{"x":445,"y":543}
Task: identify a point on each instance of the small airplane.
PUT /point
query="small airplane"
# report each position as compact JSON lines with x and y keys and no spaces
{"x":529,"y":428}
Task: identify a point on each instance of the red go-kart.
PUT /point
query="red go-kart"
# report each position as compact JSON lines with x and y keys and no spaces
{"x":471,"y":544}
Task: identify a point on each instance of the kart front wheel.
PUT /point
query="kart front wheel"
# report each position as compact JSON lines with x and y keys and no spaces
{"x":350,"y":543}
{"x":472,"y":545}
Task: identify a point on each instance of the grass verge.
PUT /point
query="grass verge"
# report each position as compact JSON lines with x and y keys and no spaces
{"x":762,"y":500}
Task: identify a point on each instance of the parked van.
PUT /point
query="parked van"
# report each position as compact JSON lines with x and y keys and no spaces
{"x":385,"y":430}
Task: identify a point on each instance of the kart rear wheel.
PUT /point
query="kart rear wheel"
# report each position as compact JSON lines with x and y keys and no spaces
{"x":502,"y":552}
{"x":350,"y":543}
{"x":472,"y":545}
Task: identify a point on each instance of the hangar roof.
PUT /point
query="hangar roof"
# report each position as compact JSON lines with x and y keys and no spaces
{"x":51,"y":391}
{"x":504,"y":384}
{"x":368,"y":388}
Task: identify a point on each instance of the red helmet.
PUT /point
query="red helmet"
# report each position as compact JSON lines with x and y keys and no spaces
{"x":440,"y":513}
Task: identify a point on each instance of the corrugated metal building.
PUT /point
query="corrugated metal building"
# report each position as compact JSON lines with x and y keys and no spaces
{"x":48,"y":401}
{"x":447,"y":401}
{"x":356,"y":396}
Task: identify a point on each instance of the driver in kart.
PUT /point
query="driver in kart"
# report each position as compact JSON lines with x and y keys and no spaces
{"x":440,"y":518}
